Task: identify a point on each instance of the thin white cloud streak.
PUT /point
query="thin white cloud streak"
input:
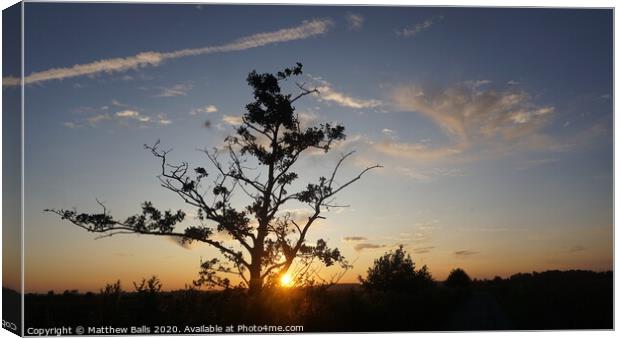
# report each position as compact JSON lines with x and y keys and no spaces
{"x":208,"y":109}
{"x":71,"y":125}
{"x":418,"y":28}
{"x":428,"y":175}
{"x":180,"y":89}
{"x":128,"y":113}
{"x":232,"y":120}
{"x":368,"y":246}
{"x":132,"y":114}
{"x":327,"y":93}
{"x":151,"y":58}
{"x":124,"y":117}
{"x":354,"y":239}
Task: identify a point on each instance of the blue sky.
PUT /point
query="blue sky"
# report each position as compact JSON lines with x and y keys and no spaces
{"x":494,"y":127}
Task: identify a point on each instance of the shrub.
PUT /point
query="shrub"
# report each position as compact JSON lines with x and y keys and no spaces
{"x":150,"y":286}
{"x":113,"y":289}
{"x":458,"y":278}
{"x":395,"y":271}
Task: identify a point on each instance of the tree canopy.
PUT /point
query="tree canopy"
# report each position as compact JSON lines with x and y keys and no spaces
{"x":396,"y":271}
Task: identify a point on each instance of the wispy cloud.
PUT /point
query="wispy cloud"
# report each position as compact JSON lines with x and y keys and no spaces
{"x":368,"y":246}
{"x":427,"y":175}
{"x":180,"y":89}
{"x":123,"y":254}
{"x":472,"y":117}
{"x":413,"y":30}
{"x":355,"y":21}
{"x":469,"y":114}
{"x":306,"y":30}
{"x":128,"y":113}
{"x":307,"y":119}
{"x":329,"y":94}
{"x":388,"y":131}
{"x":163,"y":120}
{"x":94,"y":120}
{"x":124,"y":115}
{"x":465,"y":253}
{"x":354,"y":239}
{"x":493,"y":229}
{"x":232,"y":120}
{"x":423,"y":250}
{"x":576,"y":248}
{"x":118,"y":103}
{"x":208,"y":109}
{"x":537,"y":162}
{"x":71,"y":125}
{"x":132,"y":115}
{"x":427,"y":225}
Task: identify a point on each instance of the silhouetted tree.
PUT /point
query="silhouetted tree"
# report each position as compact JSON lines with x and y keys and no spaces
{"x":458,"y":278}
{"x":271,"y":139}
{"x":111,"y":297}
{"x":148,"y":286}
{"x":395,"y":271}
{"x":113,"y":289}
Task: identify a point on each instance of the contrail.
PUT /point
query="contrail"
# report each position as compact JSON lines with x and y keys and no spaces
{"x":306,"y":30}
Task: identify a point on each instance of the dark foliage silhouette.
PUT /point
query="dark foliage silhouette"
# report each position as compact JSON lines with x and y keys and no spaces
{"x":548,"y":300}
{"x":260,"y":160}
{"x":148,"y":286}
{"x":395,"y":271}
{"x":113,"y":289}
{"x":458,"y":278}
{"x":574,"y":299}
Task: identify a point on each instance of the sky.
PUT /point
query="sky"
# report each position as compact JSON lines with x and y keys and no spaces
{"x":493,"y":127}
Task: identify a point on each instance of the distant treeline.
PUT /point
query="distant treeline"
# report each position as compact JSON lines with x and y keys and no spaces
{"x":525,"y":301}
{"x":574,"y":299}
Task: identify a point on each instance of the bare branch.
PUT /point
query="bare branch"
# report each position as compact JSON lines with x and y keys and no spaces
{"x":304,"y":92}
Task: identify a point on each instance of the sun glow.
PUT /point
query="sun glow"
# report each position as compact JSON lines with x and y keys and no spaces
{"x":286,"y":280}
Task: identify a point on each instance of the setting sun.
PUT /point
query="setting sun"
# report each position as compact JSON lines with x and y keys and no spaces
{"x":286,"y":280}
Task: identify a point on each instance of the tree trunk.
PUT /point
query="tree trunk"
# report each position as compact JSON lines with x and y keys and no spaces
{"x":256,"y":282}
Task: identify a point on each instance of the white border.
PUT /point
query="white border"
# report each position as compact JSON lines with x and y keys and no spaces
{"x":470,"y":3}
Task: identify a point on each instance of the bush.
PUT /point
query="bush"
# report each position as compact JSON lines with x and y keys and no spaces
{"x":395,"y":271}
{"x":112,"y":290}
{"x":150,"y":286}
{"x":459,"y":279}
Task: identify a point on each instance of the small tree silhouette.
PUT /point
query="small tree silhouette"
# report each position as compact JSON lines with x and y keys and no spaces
{"x":111,"y":296}
{"x":148,"y":286}
{"x":112,"y":289}
{"x":395,"y":271}
{"x":458,"y":278}
{"x":262,"y":153}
